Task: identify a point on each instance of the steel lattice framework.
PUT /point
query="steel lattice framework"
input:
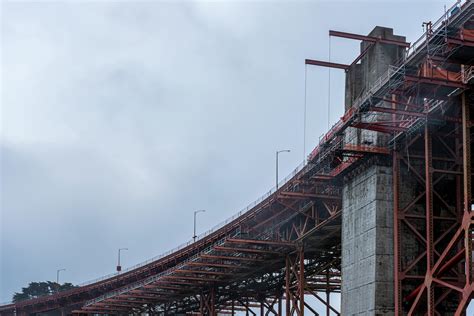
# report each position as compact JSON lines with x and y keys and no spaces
{"x":287,"y":247}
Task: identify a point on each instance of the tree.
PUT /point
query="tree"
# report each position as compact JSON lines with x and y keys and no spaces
{"x":37,"y":289}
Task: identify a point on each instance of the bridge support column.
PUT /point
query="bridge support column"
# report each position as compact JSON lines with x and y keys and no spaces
{"x":208,"y":303}
{"x":295,"y":283}
{"x":432,"y":214}
{"x":272,"y":305}
{"x":367,"y":242}
{"x":246,"y":305}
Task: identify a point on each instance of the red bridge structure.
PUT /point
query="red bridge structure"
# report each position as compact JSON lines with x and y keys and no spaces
{"x":386,"y":195}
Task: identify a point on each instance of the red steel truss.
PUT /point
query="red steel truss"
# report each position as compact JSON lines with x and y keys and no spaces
{"x":285,"y":249}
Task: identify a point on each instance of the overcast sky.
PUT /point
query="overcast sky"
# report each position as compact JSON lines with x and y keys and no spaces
{"x":120,"y":118}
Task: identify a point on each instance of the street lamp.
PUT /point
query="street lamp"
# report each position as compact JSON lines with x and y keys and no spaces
{"x":119,"y":268}
{"x":57,"y":275}
{"x":277,"y":153}
{"x":196,"y":212}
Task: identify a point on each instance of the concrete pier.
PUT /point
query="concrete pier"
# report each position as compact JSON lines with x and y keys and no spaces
{"x":367,"y":220}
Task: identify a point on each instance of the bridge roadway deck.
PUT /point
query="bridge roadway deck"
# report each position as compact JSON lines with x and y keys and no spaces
{"x":244,"y":249}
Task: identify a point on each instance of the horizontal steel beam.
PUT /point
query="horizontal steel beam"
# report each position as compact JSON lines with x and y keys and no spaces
{"x":460,"y":42}
{"x":262,"y":242}
{"x":187,"y":271}
{"x":322,"y":177}
{"x":308,"y":195}
{"x":325,"y":64}
{"x":216,"y":265}
{"x":436,"y":81}
{"x":231,"y":258}
{"x":365,"y":149}
{"x":189,"y":278}
{"x":237,"y":250}
{"x":378,"y":127}
{"x":366,"y":38}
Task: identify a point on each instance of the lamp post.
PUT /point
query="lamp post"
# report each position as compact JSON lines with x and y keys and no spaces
{"x":57,"y":275}
{"x":119,"y":267}
{"x":196,"y":212}
{"x":277,"y":153}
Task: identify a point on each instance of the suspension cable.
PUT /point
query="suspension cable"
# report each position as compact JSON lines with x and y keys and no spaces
{"x":329,"y":85}
{"x":304,"y":114}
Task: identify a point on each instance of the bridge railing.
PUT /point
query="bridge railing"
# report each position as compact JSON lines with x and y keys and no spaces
{"x":443,"y":19}
{"x":156,"y":277}
{"x":397,"y":69}
{"x":208,"y":232}
{"x":201,"y":236}
{"x":3,"y":304}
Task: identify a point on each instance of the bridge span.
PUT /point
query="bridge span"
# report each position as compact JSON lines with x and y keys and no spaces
{"x":380,"y":212}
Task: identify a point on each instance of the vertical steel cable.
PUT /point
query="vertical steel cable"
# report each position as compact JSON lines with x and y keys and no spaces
{"x":304,"y":114}
{"x":329,"y":86}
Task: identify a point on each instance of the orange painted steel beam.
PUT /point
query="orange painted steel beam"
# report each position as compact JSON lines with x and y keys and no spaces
{"x":217,"y":265}
{"x":362,"y":54}
{"x":436,"y":81}
{"x":324,"y":177}
{"x":116,"y":304}
{"x":262,"y":242}
{"x":325,"y":64}
{"x":200,"y":272}
{"x":308,"y":195}
{"x":93,"y":311}
{"x":161,"y":286}
{"x":103,"y":308}
{"x":99,"y":311}
{"x":236,"y":250}
{"x":190,"y":278}
{"x":112,"y":307}
{"x":231,"y":258}
{"x":145,"y":297}
{"x":379,"y":127}
{"x":129,"y":299}
{"x":458,"y":41}
{"x":366,"y":38}
{"x":366,"y":149}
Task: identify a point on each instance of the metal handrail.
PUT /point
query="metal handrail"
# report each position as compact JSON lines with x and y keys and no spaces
{"x":208,"y":232}
{"x":445,"y":17}
{"x":201,"y":236}
{"x":248,"y":208}
{"x":392,"y":71}
{"x":156,"y":277}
